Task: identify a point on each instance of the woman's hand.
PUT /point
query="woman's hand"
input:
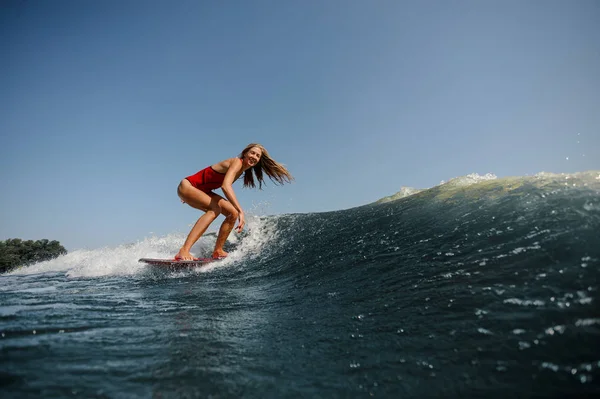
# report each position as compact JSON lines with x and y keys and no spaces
{"x":242,"y":222}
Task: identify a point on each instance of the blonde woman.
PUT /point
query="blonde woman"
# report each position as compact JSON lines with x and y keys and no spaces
{"x":196,"y":191}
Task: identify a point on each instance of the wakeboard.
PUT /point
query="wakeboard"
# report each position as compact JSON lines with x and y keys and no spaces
{"x":173,"y":263}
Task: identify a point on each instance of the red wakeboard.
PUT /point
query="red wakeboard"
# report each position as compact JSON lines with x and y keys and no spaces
{"x":177,"y":263}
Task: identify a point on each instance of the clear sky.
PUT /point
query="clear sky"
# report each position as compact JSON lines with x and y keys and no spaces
{"x":106,"y":105}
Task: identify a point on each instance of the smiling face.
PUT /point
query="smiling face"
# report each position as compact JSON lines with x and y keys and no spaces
{"x":251,"y":157}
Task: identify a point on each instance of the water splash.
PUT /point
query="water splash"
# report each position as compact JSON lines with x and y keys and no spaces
{"x":122,"y":260}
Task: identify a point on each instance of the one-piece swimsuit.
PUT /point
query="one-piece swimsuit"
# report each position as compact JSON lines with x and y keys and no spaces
{"x":207,"y":179}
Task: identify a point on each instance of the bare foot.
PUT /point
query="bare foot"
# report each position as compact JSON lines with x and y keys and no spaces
{"x":219,"y":254}
{"x":184,"y":255}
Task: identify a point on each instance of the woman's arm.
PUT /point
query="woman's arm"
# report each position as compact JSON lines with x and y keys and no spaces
{"x":235,"y":166}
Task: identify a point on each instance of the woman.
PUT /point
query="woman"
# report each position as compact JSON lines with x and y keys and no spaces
{"x":196,"y":191}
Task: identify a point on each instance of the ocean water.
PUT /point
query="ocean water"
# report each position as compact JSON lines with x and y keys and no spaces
{"x":478,"y":287}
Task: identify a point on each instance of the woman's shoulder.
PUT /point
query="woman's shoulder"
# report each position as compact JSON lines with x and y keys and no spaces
{"x":225,"y":164}
{"x":235,"y":161}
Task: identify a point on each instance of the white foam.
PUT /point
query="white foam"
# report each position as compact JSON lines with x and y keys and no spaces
{"x":123,"y":259}
{"x":403,"y":193}
{"x":258,"y":232}
{"x":525,"y":302}
{"x":470,"y":179}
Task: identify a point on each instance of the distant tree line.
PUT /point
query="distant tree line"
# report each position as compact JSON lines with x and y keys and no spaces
{"x":15,"y":252}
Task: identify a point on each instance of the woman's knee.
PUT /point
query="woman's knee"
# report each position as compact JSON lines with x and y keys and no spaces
{"x":214,"y":211}
{"x":232,"y":214}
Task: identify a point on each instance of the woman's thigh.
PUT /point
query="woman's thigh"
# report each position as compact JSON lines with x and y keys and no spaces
{"x":204,"y":201}
{"x":195,"y":198}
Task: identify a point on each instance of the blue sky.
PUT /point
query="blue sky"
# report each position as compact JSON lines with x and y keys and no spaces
{"x":106,"y":105}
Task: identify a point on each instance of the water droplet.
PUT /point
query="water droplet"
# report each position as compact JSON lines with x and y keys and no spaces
{"x":524,"y":345}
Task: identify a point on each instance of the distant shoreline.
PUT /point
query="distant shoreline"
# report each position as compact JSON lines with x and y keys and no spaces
{"x":15,"y":252}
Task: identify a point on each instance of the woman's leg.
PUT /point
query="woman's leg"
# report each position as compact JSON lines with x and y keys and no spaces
{"x":231,"y":215}
{"x":208,"y":203}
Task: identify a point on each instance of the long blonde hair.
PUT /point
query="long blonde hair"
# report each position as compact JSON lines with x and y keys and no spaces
{"x":277,"y":172}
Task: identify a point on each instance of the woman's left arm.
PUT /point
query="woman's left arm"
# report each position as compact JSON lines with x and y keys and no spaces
{"x":234,"y":167}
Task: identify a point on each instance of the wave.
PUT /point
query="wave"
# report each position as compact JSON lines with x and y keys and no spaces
{"x":349,"y":233}
{"x":478,"y":286}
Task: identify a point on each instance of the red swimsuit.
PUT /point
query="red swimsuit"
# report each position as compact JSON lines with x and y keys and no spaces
{"x":207,"y":179}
